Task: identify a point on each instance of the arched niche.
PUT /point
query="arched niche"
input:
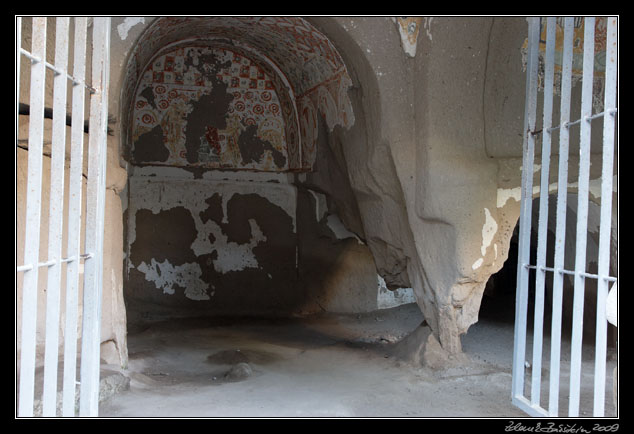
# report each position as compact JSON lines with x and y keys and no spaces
{"x":288,"y":60}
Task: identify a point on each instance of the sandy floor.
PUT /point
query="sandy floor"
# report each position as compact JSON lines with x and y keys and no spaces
{"x":326,"y":366}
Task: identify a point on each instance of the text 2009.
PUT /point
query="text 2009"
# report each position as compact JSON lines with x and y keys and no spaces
{"x":606,"y":428}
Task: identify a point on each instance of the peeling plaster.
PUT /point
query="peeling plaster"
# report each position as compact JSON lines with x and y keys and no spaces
{"x":336,"y":226}
{"x":477,"y":264}
{"x":320,"y":84}
{"x":165,"y":275}
{"x":427,"y":25}
{"x":127,"y":24}
{"x":321,"y":206}
{"x":160,"y":195}
{"x":504,"y":194}
{"x":594,"y":187}
{"x":237,"y":257}
{"x":254,"y":125}
{"x":387,"y":298}
{"x":409,"y":28}
{"x":488,"y":231}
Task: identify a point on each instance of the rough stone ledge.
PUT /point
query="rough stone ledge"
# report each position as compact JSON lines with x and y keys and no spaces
{"x":421,"y":349}
{"x":112,"y":381}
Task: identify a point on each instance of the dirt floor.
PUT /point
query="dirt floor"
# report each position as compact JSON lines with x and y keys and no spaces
{"x":325,"y":366}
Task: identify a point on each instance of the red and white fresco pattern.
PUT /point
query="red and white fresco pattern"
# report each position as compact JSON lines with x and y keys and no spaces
{"x":306,"y":58}
{"x":174,"y":86}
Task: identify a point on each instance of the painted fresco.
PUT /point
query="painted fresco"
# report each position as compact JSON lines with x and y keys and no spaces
{"x":600,"y":35}
{"x":600,"y":39}
{"x":208,"y":107}
{"x":300,"y":57}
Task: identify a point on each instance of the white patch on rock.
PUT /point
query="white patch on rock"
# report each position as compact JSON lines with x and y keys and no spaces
{"x":594,"y":187}
{"x":127,"y":24}
{"x":158,"y":195}
{"x":408,"y":28}
{"x":387,"y":298}
{"x":477,"y":264}
{"x":488,"y":231}
{"x":237,"y":257}
{"x":341,"y":232}
{"x":165,"y":275}
{"x":427,"y":25}
{"x":321,"y":206}
{"x":504,"y":194}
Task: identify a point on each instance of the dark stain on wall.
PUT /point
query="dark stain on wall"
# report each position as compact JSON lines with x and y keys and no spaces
{"x":252,"y":147}
{"x":274,"y":223}
{"x":213,"y":212}
{"x":166,"y":235}
{"x":268,"y":288}
{"x":148,"y":94}
{"x":210,"y":110}
{"x":150,"y":147}
{"x":271,"y":287}
{"x":321,"y":259}
{"x":318,"y":252}
{"x":276,"y":255}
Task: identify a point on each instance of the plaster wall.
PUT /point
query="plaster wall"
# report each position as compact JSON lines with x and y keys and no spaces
{"x":242,"y":243}
{"x":228,"y":244}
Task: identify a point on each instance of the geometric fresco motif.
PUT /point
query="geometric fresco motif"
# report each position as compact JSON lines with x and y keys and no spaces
{"x":308,"y":76}
{"x":208,"y":107}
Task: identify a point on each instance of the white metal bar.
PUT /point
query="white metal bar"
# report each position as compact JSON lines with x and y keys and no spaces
{"x":32,"y":226}
{"x":49,"y":397}
{"x":95,"y":197}
{"x":58,"y":71}
{"x":560,"y":226}
{"x":74,"y":220}
{"x":521,"y":303}
{"x":582,"y":217}
{"x":572,"y":273}
{"x":50,"y":262}
{"x":542,"y":236}
{"x":18,"y":42}
{"x":527,"y":406}
{"x":588,"y":118}
{"x":607,"y":172}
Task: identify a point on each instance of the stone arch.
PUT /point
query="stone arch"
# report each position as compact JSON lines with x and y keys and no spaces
{"x":309,"y":72}
{"x":301,"y":60}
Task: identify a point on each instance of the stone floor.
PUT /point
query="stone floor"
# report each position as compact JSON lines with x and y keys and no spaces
{"x":323,"y":366}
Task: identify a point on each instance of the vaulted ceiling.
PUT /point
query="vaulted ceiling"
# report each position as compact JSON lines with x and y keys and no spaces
{"x":304,"y":58}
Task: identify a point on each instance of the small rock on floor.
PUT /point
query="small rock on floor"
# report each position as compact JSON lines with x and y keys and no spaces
{"x":239,"y":372}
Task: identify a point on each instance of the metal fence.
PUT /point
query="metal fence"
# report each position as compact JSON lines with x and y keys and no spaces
{"x":90,"y":223}
{"x":532,"y":404}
